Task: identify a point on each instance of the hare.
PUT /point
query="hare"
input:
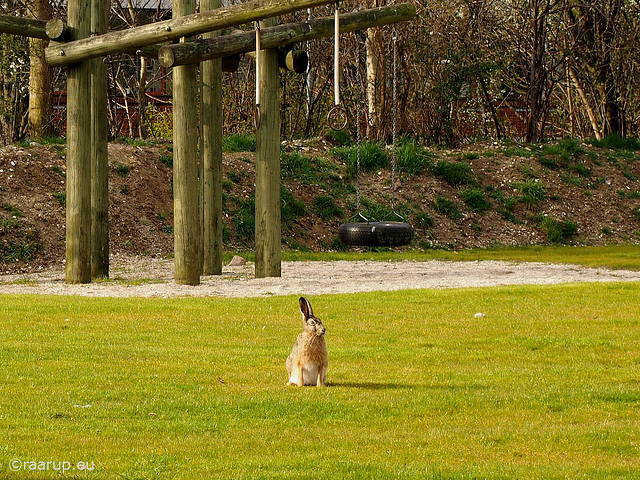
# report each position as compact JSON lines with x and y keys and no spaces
{"x":308,"y":361}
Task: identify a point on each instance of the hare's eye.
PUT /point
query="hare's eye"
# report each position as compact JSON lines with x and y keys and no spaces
{"x":312,"y":322}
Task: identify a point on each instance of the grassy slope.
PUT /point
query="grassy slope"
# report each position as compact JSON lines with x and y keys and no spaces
{"x":544,"y":386}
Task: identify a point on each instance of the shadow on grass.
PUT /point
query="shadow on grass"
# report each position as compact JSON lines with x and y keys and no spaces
{"x":371,"y":385}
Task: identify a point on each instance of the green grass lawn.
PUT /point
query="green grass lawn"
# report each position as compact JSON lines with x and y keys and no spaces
{"x":546,"y":385}
{"x":612,"y":256}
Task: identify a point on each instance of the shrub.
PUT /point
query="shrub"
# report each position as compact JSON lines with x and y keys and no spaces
{"x":616,"y":142}
{"x":290,"y":207}
{"x":423,"y":220}
{"x":475,"y":199}
{"x":239,"y":143}
{"x":7,"y":207}
{"x":447,"y":208}
{"x":581,"y":170}
{"x":61,"y":197}
{"x":454,"y":173}
{"x":565,"y":150}
{"x":122,"y":169}
{"x":340,"y":137}
{"x":532,"y":191}
{"x":244,"y":220}
{"x":571,"y":180}
{"x":326,"y":208}
{"x":166,"y":160}
{"x":372,"y":157}
{"x":159,"y":123}
{"x":233,"y":176}
{"x":293,"y":165}
{"x":549,"y":163}
{"x":558,"y":232}
{"x":518,"y":151}
{"x":376,"y":211}
{"x":411,"y":158}
{"x":23,"y":249}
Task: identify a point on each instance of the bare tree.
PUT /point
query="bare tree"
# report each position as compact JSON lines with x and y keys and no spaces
{"x":40,"y":88}
{"x":600,"y":63}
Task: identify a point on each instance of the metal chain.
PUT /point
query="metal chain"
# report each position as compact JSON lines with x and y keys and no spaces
{"x":358,"y":113}
{"x":257,"y":116}
{"x":394,"y":38}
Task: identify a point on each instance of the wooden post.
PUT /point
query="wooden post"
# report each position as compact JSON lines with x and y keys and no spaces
{"x":186,"y":204}
{"x":281,"y":35}
{"x":169,"y":30}
{"x":78,"y":268}
{"x":100,"y":160}
{"x":268,"y":215}
{"x":211,"y":73}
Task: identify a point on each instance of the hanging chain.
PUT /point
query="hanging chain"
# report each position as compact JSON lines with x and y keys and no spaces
{"x":257,"y":116}
{"x":394,"y":39}
{"x":358,"y":113}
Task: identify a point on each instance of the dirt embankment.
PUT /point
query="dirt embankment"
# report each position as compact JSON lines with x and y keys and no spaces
{"x":593,"y":193}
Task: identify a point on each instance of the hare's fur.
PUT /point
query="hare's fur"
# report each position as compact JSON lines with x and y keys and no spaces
{"x":308,"y":361}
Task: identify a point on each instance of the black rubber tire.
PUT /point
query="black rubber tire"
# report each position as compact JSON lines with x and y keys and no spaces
{"x":376,"y":234}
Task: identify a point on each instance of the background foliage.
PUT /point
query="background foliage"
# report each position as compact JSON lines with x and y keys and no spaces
{"x":466,"y":70}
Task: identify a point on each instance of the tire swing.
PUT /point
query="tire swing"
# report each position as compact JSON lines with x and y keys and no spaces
{"x":378,"y":234}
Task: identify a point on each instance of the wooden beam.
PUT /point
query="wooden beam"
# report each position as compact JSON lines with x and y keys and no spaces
{"x":57,"y":30}
{"x":24,"y":27}
{"x":169,"y":30}
{"x":268,"y":215}
{"x":186,"y":200}
{"x":229,"y":64}
{"x":295,"y":61}
{"x":278,"y":36}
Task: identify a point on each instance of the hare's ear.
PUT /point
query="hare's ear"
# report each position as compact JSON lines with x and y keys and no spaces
{"x":305,"y":308}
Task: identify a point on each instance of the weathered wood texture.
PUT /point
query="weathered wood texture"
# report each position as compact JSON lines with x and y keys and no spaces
{"x":100,"y":161}
{"x":295,"y":61}
{"x":24,"y":27}
{"x":268,"y":215}
{"x":78,"y":234}
{"x":229,"y":64}
{"x":277,"y":36}
{"x":186,"y":201}
{"x":211,"y":75}
{"x":57,"y":30}
{"x":168,"y":30}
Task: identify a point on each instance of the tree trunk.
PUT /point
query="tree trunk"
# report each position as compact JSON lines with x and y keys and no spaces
{"x":40,"y":90}
{"x":537,"y":72}
{"x":372,"y":91}
{"x":585,"y":99}
{"x":142,"y":99}
{"x":606,"y":26}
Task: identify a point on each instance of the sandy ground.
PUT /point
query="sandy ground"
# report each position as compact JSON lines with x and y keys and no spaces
{"x":149,"y":277}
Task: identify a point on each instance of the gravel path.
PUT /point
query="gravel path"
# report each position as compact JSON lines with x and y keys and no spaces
{"x":149,"y":277}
